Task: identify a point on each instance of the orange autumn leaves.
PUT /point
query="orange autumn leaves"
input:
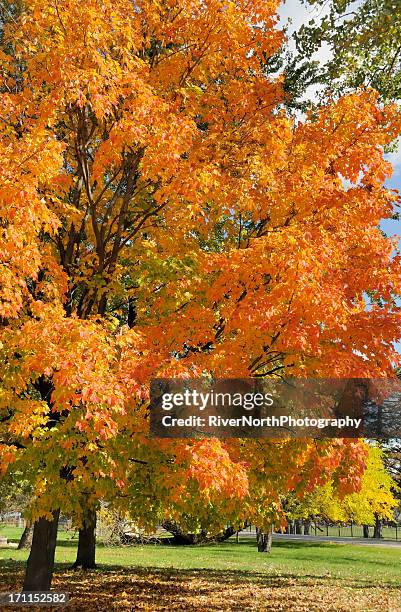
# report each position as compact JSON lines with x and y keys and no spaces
{"x":161,"y":215}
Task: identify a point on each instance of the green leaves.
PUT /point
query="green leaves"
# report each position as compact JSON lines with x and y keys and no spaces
{"x":364,"y":40}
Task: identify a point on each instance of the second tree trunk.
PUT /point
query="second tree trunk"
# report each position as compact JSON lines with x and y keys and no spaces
{"x":86,"y":554}
{"x":26,"y":538}
{"x":264,"y":540}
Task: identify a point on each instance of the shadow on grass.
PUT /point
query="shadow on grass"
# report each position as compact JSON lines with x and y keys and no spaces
{"x":167,"y":578}
{"x":231,"y":543}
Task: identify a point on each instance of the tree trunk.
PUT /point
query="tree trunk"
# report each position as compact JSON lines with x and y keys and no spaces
{"x":39,"y":569}
{"x":298,"y":527}
{"x":365,"y":531}
{"x":86,"y":554}
{"x":377,"y":532}
{"x":307,"y":525}
{"x":264,"y":540}
{"x":181,"y":537}
{"x":26,"y":538}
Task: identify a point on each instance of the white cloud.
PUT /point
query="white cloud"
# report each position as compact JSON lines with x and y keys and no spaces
{"x":294,"y":14}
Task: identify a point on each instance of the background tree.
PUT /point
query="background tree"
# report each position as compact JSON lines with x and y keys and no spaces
{"x":364,"y":41}
{"x":15,"y":496}
{"x":376,"y":499}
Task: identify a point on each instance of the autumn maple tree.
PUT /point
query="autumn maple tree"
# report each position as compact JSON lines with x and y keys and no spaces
{"x":161,"y":216}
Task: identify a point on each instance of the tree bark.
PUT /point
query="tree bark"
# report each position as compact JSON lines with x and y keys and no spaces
{"x":264,"y":540}
{"x":86,"y":554}
{"x":39,"y":569}
{"x":181,"y":537}
{"x":307,"y":525}
{"x":298,"y":527}
{"x":26,"y":538}
{"x":365,"y":531}
{"x":377,"y":532}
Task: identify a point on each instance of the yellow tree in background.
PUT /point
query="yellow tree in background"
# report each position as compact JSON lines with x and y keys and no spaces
{"x":375,"y":498}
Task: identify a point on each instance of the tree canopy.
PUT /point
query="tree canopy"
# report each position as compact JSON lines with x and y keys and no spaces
{"x":161,"y":215}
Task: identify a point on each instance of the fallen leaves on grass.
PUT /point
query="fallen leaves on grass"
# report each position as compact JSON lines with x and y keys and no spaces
{"x":154,"y":589}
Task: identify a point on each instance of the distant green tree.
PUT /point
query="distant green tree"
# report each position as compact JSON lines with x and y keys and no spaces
{"x":365,"y":41}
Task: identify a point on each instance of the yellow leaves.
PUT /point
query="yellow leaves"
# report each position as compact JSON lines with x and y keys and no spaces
{"x":8,"y":455}
{"x":374,"y":497}
{"x":29,"y":418}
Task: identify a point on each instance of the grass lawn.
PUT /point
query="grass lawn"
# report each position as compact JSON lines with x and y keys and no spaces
{"x":229,"y":576}
{"x":389,"y":533}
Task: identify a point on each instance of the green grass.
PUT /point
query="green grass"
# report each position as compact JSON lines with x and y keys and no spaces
{"x":298,"y":576}
{"x":389,"y":533}
{"x":298,"y":559}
